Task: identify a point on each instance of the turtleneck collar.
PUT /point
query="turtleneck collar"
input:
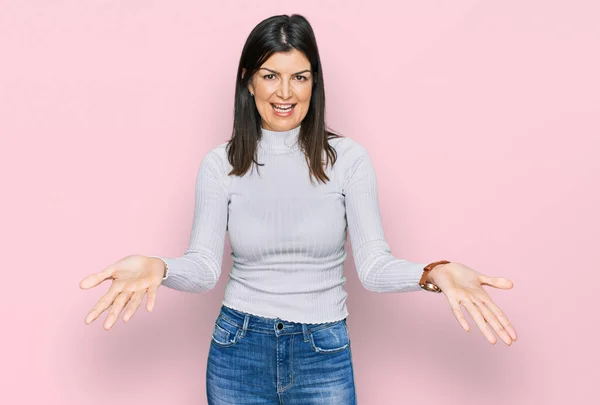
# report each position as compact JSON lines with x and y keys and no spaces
{"x":279,"y":141}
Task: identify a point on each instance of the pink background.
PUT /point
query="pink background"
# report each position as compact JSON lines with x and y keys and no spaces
{"x":482,"y":118}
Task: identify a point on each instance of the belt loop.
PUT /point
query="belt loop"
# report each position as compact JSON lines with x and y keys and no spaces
{"x":245,"y":327}
{"x":305,"y":332}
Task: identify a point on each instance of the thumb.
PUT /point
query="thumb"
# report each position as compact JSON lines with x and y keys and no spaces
{"x":94,"y":279}
{"x":498,"y":282}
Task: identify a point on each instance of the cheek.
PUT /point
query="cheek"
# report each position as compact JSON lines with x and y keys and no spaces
{"x":266,"y":90}
{"x":305,"y":102}
{"x":304,"y":92}
{"x":303,"y":95}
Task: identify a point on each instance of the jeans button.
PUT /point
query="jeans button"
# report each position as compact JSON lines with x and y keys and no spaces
{"x":279,"y":326}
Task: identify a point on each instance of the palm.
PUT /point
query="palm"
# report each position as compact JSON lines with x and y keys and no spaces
{"x":463,"y":286}
{"x":132,"y":277}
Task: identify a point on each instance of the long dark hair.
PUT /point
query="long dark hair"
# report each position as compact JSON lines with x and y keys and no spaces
{"x":281,"y":33}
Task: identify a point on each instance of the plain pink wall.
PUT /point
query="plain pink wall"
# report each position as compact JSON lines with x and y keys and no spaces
{"x":482,"y":118}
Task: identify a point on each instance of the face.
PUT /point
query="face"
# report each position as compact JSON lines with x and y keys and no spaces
{"x":282,"y":88}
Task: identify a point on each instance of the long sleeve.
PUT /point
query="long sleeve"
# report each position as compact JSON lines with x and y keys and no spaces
{"x":377,"y":269}
{"x":199,"y":269}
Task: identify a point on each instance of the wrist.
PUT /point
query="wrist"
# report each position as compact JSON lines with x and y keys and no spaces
{"x":159,"y":264}
{"x":429,"y":274}
{"x":436,"y":270}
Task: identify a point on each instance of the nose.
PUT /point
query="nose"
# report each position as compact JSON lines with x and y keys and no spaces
{"x":284,"y":91}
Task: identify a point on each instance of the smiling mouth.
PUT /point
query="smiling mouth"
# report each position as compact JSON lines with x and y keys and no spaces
{"x":283,"y":108}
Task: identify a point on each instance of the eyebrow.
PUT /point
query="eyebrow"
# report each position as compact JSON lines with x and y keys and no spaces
{"x":276,"y":72}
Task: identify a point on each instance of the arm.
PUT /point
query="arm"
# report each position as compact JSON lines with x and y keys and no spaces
{"x":377,"y":269}
{"x":199,"y":269}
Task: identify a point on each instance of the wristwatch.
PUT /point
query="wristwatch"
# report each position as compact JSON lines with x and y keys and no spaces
{"x":430,"y":286}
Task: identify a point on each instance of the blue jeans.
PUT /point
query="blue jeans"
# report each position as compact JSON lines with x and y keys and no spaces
{"x":256,"y":360}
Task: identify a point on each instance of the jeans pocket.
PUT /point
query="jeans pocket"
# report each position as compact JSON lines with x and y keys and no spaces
{"x":225,"y":334}
{"x":330,"y":339}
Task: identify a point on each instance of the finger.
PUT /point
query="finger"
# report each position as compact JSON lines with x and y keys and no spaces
{"x":501,"y":317}
{"x":94,"y":279}
{"x":133,"y":305}
{"x":102,"y":304}
{"x":151,"y":300}
{"x":479,"y":320}
{"x":116,"y":309}
{"x":458,"y":314}
{"x":497,"y":282}
{"x":491,"y":319}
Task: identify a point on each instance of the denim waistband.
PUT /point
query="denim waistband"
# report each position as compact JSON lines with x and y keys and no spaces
{"x":246,"y":321}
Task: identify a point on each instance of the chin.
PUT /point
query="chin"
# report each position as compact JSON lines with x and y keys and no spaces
{"x":283,"y":126}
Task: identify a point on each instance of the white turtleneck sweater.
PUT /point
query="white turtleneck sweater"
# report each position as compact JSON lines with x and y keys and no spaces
{"x":287,"y":234}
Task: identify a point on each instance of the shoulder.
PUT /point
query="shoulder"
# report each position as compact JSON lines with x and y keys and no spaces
{"x":215,"y":163}
{"x":218,"y":155}
{"x":219,"y":152}
{"x":349,"y":150}
{"x":354,"y":158}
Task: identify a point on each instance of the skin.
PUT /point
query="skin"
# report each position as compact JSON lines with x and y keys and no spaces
{"x":279,"y":81}
{"x":283,"y":78}
{"x":462,"y":285}
{"x":132,"y":278}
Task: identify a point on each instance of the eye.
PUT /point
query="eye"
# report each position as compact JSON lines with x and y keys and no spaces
{"x":301,"y":78}
{"x":267,"y":77}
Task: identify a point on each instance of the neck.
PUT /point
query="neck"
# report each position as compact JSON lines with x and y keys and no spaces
{"x":279,"y":141}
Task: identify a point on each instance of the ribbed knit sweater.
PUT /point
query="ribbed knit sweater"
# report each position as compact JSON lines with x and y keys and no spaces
{"x":287,"y":234}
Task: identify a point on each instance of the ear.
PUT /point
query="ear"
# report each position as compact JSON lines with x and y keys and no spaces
{"x":250,"y":87}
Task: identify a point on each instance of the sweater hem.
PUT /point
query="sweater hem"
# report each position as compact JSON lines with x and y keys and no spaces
{"x":287,"y":319}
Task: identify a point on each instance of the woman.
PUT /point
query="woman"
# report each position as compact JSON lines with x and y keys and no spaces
{"x":281,"y":334}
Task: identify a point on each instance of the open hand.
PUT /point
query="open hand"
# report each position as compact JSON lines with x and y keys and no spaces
{"x":133,"y":277}
{"x":463,"y":286}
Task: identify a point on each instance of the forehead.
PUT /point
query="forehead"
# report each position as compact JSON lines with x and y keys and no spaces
{"x":287,"y":62}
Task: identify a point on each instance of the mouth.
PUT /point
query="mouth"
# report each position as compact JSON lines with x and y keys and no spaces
{"x":283,"y":109}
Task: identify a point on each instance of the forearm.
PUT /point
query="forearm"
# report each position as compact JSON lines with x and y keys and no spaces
{"x":192,"y":272}
{"x":380,"y":271}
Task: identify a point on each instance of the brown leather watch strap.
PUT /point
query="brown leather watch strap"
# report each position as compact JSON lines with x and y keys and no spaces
{"x":423,"y":282}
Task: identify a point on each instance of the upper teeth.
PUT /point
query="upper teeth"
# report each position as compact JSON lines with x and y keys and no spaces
{"x":283,"y":106}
